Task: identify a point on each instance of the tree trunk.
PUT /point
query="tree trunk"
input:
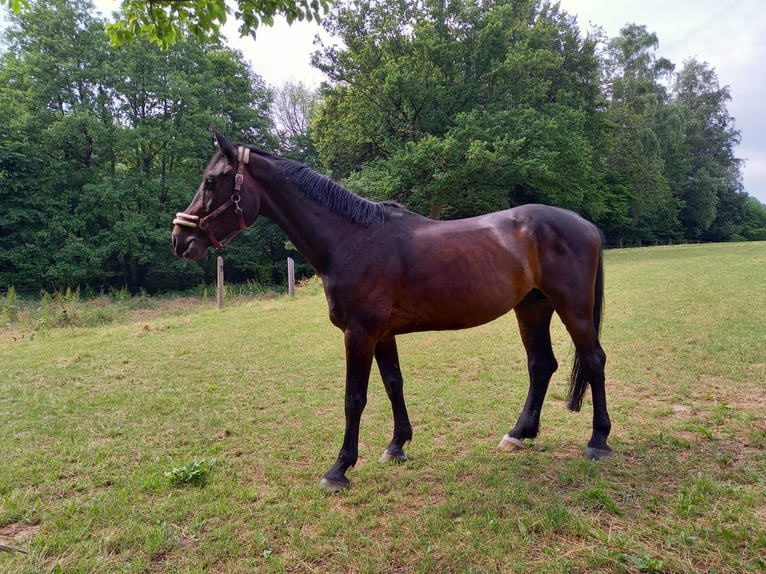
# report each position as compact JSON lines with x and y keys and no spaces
{"x":435,"y":210}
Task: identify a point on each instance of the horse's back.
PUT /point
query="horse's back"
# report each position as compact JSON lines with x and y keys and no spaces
{"x":461,"y":273}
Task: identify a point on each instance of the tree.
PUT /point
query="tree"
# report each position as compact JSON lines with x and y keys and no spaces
{"x":292,"y":108}
{"x":457,"y":108}
{"x":53,"y":73}
{"x":753,"y":220}
{"x":636,"y":115}
{"x":713,"y":176}
{"x":100,"y":146}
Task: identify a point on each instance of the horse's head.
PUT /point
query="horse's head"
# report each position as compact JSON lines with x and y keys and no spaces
{"x":226,"y":202}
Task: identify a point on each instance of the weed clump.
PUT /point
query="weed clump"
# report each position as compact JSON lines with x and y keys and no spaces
{"x":193,"y":473}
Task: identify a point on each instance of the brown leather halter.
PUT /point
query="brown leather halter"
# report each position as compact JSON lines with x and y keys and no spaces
{"x":194,"y":221}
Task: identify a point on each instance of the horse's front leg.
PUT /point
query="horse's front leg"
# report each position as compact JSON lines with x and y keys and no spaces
{"x":359,"y":352}
{"x":387,"y":358}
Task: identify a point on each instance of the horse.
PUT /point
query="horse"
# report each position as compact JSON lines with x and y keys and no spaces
{"x":387,"y":271}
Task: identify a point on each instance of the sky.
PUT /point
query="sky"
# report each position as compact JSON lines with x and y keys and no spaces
{"x":727,"y":34}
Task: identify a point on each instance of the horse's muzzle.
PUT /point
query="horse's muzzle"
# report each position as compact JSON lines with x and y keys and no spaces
{"x":185,"y":245}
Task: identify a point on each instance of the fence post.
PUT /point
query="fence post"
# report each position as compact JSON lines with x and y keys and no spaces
{"x":290,"y":276}
{"x":219,"y":269}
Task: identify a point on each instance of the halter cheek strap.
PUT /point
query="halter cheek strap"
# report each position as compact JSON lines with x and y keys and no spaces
{"x":194,"y":221}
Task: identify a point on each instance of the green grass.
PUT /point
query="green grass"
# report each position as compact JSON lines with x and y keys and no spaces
{"x":96,"y":420}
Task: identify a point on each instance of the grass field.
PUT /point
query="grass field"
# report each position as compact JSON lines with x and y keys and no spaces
{"x":187,"y":439}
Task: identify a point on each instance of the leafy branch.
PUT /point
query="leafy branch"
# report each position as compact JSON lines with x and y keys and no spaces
{"x":164,"y":22}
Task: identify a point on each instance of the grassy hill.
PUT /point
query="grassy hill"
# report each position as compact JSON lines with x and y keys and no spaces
{"x":187,"y":439}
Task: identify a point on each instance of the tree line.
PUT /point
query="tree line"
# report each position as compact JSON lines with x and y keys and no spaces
{"x":453,"y":108}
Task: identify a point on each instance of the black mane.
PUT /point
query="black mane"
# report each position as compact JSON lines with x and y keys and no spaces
{"x":328,"y":193}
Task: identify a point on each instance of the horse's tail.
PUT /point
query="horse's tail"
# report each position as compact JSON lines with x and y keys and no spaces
{"x":578,"y":382}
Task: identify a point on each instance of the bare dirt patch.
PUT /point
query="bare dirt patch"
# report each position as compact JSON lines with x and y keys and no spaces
{"x":681,"y":410}
{"x":17,"y":533}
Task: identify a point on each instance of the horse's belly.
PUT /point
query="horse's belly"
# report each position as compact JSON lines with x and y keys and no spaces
{"x":450,"y":310}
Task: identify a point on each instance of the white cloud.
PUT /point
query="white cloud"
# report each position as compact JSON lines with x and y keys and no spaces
{"x":280,"y":53}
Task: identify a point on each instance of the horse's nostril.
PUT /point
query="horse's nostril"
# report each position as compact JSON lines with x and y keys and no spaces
{"x":174,"y":240}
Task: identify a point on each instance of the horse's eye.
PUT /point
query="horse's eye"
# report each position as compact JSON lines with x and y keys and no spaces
{"x":210,"y":182}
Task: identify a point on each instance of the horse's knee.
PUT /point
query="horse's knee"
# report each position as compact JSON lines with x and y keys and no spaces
{"x":355,"y":403}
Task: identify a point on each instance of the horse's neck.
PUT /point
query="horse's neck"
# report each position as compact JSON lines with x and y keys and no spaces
{"x":314,"y":230}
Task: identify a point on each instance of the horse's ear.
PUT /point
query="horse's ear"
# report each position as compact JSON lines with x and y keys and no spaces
{"x":228,"y":149}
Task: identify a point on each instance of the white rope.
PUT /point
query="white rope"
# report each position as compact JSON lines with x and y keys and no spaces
{"x":186,"y":220}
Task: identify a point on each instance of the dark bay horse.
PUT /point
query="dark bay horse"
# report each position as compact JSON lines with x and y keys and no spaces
{"x":387,"y":271}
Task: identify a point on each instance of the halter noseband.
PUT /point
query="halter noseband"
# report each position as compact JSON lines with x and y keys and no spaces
{"x":194,"y":221}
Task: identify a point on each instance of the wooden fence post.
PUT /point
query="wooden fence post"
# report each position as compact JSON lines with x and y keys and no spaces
{"x":290,"y":276}
{"x":219,"y":269}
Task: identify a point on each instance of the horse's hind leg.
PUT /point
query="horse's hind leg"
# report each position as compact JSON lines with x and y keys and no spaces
{"x":597,"y":447}
{"x":534,"y":318}
{"x":590,"y":361}
{"x":387,"y":357}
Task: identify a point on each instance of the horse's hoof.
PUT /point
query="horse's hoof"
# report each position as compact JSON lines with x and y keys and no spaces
{"x":333,"y":484}
{"x":397,"y":457}
{"x":510,"y":444}
{"x":593,"y":453}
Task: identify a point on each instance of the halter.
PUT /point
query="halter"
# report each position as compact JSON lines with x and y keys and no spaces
{"x":194,"y":221}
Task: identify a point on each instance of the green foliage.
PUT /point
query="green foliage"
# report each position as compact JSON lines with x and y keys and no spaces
{"x":263,"y":544}
{"x":433,"y":107}
{"x":753,"y":219}
{"x":167,"y":22}
{"x":309,"y":286}
{"x":9,"y":305}
{"x":15,"y":5}
{"x":451,"y":108}
{"x":69,"y":309}
{"x":129,"y":128}
{"x":451,"y":119}
{"x":644,"y":563}
{"x":293,"y":106}
{"x":712,"y":186}
{"x":670,"y":154}
{"x":193,"y":473}
{"x":59,"y":309}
